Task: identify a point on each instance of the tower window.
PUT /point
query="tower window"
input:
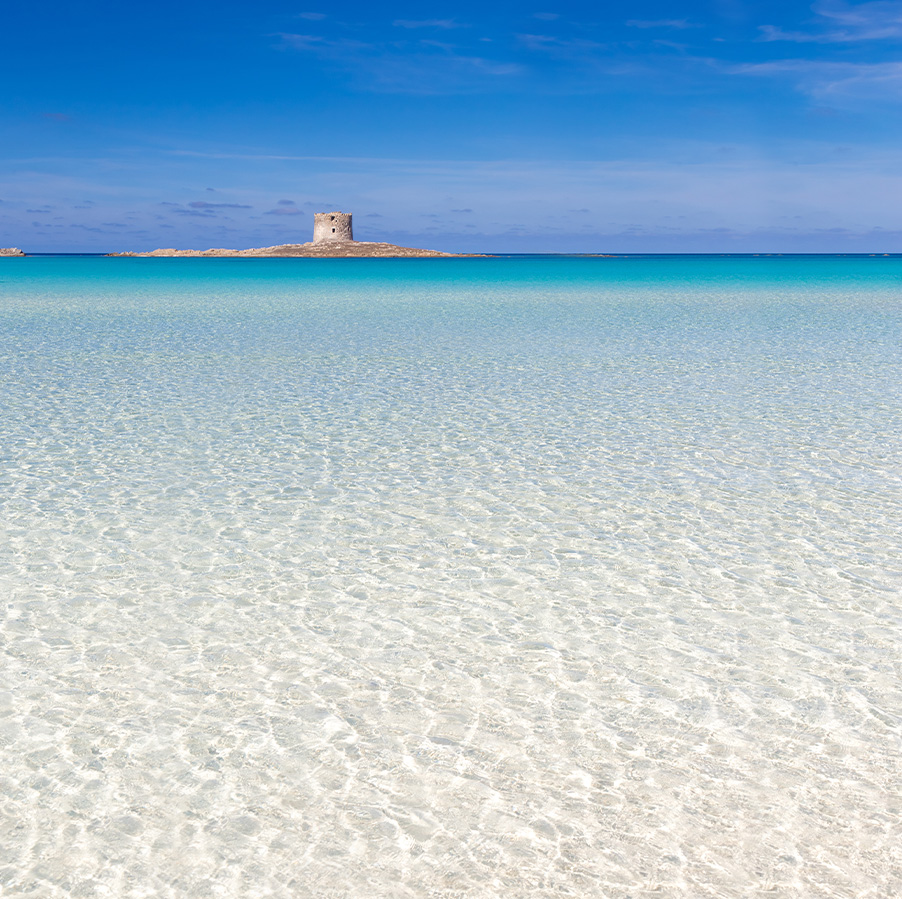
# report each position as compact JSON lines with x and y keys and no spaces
{"x":333,"y":230}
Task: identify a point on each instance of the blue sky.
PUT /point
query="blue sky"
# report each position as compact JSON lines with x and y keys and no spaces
{"x":626,"y":127}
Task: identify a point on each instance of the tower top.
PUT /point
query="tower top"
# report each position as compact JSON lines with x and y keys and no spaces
{"x":332,"y":226}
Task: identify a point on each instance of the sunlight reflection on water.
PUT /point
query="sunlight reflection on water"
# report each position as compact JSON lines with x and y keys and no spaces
{"x":520,"y":579}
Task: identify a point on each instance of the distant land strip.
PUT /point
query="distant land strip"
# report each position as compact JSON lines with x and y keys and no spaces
{"x":324,"y":249}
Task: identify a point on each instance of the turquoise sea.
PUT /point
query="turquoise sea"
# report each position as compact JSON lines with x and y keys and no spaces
{"x":514,"y":577}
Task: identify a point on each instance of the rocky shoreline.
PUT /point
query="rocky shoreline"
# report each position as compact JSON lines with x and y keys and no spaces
{"x":330,"y":249}
{"x":11,"y":251}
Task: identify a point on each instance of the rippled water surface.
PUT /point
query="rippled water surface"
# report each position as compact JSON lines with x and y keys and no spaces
{"x":451,"y":578}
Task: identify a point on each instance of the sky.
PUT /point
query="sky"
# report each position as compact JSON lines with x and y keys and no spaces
{"x":715,"y":126}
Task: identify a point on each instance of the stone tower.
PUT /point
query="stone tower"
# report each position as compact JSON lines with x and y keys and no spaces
{"x":329,"y":226}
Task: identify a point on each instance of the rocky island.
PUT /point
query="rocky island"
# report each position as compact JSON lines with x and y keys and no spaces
{"x":354,"y":248}
{"x":332,"y":237}
{"x":11,"y":251}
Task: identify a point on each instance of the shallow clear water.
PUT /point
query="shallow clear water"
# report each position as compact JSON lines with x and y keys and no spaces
{"x":477,"y":578}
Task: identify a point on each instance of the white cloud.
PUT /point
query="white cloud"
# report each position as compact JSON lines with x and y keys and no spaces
{"x":841,"y":23}
{"x":835,"y":80}
{"x":427,"y":23}
{"x":661,"y":23}
{"x":420,"y":67}
{"x":829,"y":200}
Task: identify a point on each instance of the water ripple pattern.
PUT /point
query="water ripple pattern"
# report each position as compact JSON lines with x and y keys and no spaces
{"x":451,"y":578}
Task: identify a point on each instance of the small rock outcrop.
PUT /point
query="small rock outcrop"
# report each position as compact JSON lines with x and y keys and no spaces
{"x":11,"y":251}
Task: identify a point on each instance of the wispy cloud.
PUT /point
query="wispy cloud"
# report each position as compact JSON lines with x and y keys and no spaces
{"x":201,"y":204}
{"x":841,"y":23}
{"x":651,"y":205}
{"x":572,"y":48}
{"x":416,"y":67}
{"x":820,"y":78}
{"x":307,"y":41}
{"x":661,"y":23}
{"x":427,"y":23}
{"x":202,"y":209}
{"x":584,"y":66}
{"x":776,"y":33}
